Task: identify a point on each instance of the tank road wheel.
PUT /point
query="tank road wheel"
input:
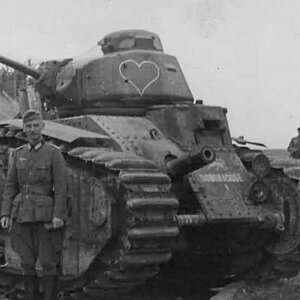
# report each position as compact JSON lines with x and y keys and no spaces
{"x":282,"y":256}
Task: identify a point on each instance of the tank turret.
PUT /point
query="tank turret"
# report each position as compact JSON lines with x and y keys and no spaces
{"x":132,"y":73}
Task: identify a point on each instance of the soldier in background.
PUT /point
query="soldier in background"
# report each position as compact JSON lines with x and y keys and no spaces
{"x":294,"y":146}
{"x":34,"y":200}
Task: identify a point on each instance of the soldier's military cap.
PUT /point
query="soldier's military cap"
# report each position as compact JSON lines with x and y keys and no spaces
{"x":31,"y":114}
{"x":298,"y":128}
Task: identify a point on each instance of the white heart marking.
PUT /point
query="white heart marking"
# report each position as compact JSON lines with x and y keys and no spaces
{"x":141,"y":92}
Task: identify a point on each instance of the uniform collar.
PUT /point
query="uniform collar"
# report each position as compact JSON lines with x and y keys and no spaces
{"x":36,"y":146}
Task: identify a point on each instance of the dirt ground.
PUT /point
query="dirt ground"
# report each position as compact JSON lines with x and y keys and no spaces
{"x":284,"y":289}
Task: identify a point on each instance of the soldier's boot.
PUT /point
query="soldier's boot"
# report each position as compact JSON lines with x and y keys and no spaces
{"x":49,"y":283}
{"x":31,"y":287}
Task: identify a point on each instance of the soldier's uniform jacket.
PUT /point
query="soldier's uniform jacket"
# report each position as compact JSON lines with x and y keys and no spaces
{"x":35,"y":188}
{"x":294,"y":147}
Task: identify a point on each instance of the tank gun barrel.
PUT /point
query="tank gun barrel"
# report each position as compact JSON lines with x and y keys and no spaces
{"x":20,"y":67}
{"x":189,"y":162}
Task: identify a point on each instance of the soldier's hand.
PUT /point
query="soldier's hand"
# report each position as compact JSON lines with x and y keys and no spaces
{"x":4,"y":222}
{"x":57,"y":222}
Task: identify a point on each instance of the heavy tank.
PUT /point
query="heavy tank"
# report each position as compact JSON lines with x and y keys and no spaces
{"x":152,"y":173}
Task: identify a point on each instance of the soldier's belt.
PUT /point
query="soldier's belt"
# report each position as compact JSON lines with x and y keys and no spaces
{"x":36,"y":190}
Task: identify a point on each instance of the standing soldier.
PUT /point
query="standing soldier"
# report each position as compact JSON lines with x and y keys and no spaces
{"x":34,"y":202}
{"x":294,"y":146}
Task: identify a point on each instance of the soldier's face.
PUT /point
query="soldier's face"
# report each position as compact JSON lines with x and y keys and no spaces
{"x":33,"y":130}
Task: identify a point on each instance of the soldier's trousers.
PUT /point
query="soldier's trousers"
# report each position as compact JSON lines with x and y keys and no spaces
{"x":33,"y":241}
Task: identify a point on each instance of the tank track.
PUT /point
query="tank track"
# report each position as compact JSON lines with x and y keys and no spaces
{"x":145,"y":234}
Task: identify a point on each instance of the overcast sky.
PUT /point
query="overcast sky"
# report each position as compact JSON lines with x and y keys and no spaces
{"x":241,"y":54}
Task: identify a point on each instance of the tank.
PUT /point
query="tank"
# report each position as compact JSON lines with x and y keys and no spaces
{"x":153,"y":177}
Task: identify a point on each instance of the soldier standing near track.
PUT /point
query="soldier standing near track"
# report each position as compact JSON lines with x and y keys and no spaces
{"x":35,"y":197}
{"x":294,"y":146}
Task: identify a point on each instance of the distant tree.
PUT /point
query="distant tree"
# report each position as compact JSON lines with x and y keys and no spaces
{"x":11,"y":80}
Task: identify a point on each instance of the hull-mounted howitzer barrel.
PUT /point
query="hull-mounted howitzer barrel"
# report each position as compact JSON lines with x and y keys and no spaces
{"x":187,"y":163}
{"x":20,"y":67}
